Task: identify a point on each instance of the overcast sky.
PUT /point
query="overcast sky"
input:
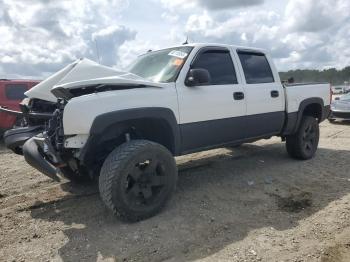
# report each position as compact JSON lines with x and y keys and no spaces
{"x":38,"y":37}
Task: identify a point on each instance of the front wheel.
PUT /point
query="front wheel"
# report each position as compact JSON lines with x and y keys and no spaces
{"x":303,"y":144}
{"x":137,"y":179}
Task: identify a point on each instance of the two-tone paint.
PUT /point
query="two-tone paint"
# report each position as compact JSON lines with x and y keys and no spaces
{"x":199,"y":117}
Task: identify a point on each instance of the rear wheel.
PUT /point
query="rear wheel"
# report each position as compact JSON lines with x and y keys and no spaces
{"x":303,"y":144}
{"x":137,"y":179}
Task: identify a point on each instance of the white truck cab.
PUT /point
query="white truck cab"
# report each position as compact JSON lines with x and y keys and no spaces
{"x":124,"y":128}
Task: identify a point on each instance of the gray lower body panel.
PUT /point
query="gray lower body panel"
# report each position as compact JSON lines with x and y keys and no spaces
{"x":205,"y":134}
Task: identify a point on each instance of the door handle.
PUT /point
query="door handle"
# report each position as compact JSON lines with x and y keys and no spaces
{"x":238,"y":95}
{"x":275,"y":93}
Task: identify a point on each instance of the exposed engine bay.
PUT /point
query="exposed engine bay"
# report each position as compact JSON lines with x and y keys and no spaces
{"x":40,"y":136}
{"x":34,"y":115}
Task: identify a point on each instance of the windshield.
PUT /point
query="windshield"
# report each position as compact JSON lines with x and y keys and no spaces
{"x":161,"y":66}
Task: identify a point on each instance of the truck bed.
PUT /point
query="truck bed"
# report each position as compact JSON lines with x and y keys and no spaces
{"x":297,"y":92}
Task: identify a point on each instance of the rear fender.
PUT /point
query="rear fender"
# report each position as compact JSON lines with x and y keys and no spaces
{"x":304,"y":104}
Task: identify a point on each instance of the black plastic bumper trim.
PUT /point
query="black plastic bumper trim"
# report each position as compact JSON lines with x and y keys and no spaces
{"x":15,"y":138}
{"x":36,"y":160}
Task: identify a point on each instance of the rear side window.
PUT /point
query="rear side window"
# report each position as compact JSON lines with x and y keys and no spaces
{"x":220,"y":66}
{"x":15,"y":91}
{"x":256,"y":67}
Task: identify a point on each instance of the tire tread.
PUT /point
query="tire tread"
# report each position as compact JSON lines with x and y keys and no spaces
{"x":293,"y":144}
{"x":112,"y":166}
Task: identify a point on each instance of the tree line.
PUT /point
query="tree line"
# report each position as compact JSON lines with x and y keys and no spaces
{"x":331,"y":75}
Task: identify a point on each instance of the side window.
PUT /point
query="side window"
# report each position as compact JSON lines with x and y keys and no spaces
{"x":256,"y":67}
{"x":15,"y":91}
{"x":220,"y":66}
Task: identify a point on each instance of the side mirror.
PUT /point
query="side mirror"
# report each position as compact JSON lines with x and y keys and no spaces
{"x":197,"y":77}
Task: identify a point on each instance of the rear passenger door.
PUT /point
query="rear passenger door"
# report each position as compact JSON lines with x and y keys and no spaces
{"x":209,"y":114}
{"x":264,"y":95}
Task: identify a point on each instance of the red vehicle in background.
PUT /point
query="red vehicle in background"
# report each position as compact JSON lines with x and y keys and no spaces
{"x":11,"y":94}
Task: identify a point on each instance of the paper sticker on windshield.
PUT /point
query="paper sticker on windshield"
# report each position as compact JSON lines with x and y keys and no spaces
{"x":178,"y":54}
{"x":178,"y":62}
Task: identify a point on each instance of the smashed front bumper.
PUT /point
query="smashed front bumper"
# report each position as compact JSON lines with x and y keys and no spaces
{"x":14,"y":139}
{"x":39,"y":153}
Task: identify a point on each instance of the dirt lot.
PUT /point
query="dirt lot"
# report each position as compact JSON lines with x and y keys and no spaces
{"x":252,"y":203}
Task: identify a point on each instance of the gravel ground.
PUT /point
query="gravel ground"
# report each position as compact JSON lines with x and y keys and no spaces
{"x":251,"y":203}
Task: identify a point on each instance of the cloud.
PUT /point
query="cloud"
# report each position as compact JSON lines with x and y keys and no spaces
{"x":173,"y":18}
{"x":208,"y":4}
{"x":178,"y":5}
{"x":131,"y":49}
{"x":223,"y":4}
{"x":38,"y":37}
{"x":109,"y":40}
{"x":307,"y":34}
{"x":245,"y":28}
{"x":316,"y":30}
{"x":314,"y":15}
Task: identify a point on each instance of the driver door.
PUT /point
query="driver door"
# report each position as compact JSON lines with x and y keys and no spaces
{"x":212,"y":113}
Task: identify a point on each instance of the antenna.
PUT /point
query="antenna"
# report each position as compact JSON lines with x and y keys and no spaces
{"x":97,"y":52}
{"x":186,"y":42}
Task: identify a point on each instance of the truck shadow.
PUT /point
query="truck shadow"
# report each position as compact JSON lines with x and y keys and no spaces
{"x":222,"y":195}
{"x":3,"y":149}
{"x":341,"y":122}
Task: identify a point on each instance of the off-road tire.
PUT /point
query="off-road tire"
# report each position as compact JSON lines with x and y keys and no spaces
{"x":303,"y":144}
{"x":117,"y":175}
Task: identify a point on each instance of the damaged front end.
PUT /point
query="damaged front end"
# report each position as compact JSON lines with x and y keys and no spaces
{"x":31,"y":121}
{"x":43,"y":151}
{"x":41,"y":138}
{"x":39,"y":132}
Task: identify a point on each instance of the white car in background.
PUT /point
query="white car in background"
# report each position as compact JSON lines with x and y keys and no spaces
{"x":336,"y":90}
{"x":346,"y":89}
{"x":340,"y":108}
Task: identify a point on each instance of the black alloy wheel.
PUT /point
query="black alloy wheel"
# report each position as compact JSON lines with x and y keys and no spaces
{"x":137,"y":179}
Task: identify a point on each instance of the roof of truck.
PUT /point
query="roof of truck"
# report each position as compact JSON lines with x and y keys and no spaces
{"x":224,"y":45}
{"x":199,"y":45}
{"x":248,"y":48}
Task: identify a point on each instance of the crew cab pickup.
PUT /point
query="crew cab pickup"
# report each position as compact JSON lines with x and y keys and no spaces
{"x":125,"y":128}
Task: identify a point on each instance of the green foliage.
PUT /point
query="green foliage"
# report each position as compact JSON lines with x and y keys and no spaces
{"x":331,"y":75}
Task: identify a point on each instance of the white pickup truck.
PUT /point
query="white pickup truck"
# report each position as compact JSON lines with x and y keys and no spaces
{"x":125,"y":128}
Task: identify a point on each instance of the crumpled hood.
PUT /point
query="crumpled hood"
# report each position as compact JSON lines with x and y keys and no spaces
{"x":84,"y":72}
